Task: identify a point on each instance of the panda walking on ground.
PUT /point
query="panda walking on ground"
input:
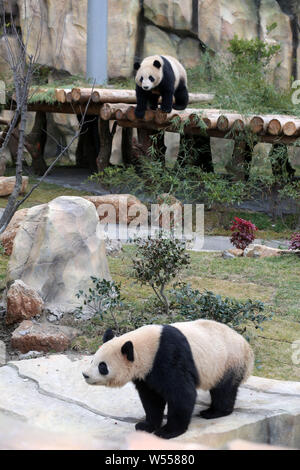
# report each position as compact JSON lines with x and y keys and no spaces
{"x":168,"y":363}
{"x":160,"y":76}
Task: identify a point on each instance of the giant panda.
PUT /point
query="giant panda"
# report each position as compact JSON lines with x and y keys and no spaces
{"x":160,"y":76}
{"x":167,"y":363}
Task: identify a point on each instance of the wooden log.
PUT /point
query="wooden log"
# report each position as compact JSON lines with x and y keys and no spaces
{"x":292,"y":128}
{"x":81,"y":95}
{"x":274,"y":127}
{"x":259,"y":124}
{"x":201,"y":98}
{"x":108,"y":95}
{"x":228,"y":121}
{"x":69,"y":97}
{"x":108,"y":110}
{"x":61,"y":94}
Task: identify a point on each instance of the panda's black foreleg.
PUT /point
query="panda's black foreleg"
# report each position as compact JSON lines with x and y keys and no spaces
{"x":153,"y":100}
{"x":142,"y":98}
{"x":180,"y":409}
{"x":154,"y":406}
{"x":167,"y":100}
{"x":223,"y":396}
{"x":181,"y":97}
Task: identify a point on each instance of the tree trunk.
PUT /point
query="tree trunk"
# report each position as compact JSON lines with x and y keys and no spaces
{"x":106,"y":138}
{"x":35,"y":143}
{"x":88,"y":143}
{"x":240,"y":162}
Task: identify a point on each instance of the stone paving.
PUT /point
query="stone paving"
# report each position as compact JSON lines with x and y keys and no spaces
{"x":50,"y":394}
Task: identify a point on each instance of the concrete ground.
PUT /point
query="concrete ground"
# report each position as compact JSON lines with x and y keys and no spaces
{"x":50,"y":394}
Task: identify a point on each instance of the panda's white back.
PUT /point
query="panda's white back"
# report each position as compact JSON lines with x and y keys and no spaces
{"x":216,"y":348}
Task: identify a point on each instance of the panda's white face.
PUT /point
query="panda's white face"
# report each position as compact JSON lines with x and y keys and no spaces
{"x":149,"y":75}
{"x":110,"y":366}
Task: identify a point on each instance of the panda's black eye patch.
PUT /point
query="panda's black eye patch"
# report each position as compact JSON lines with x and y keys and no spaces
{"x":152,"y":79}
{"x":103,"y":368}
{"x":141,"y":79}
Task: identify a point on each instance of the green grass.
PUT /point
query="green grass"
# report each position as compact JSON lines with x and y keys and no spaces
{"x":45,"y":193}
{"x":275,"y":281}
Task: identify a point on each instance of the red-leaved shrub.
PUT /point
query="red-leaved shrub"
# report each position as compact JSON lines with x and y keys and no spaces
{"x":243,"y":233}
{"x":295,"y":242}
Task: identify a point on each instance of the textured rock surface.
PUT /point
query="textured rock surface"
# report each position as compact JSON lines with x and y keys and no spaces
{"x":8,"y":236}
{"x":23,"y":303}
{"x":178,"y":27}
{"x":64,"y":32}
{"x":57,"y":250}
{"x":31,"y":336}
{"x":7,"y":184}
{"x":2,"y":353}
{"x":261,"y":251}
{"x":122,"y":34}
{"x":120,"y":205}
{"x":37,"y":389}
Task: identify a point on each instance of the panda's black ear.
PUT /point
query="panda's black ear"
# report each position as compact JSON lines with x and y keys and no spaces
{"x":136,"y":65}
{"x":157,"y":64}
{"x":109,"y":334}
{"x":127,"y":350}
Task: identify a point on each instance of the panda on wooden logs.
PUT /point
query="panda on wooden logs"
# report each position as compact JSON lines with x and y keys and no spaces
{"x":160,"y":76}
{"x":168,"y":363}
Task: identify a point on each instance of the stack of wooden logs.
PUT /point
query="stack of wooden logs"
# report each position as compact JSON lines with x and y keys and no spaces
{"x":112,"y":104}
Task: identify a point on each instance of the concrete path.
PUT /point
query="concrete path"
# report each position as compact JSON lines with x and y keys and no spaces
{"x":50,"y":394}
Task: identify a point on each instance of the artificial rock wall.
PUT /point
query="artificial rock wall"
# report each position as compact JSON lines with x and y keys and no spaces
{"x":182,"y":28}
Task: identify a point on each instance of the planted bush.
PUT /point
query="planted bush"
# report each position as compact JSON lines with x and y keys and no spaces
{"x":192,"y":304}
{"x":295,"y":242}
{"x":158,"y":260}
{"x":243,"y":233}
{"x":101,"y":300}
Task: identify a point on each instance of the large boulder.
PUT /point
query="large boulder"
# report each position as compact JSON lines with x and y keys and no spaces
{"x":23,"y":303}
{"x":8,"y":236}
{"x":57,"y":249}
{"x":175,"y":14}
{"x":31,"y":336}
{"x":7,"y":184}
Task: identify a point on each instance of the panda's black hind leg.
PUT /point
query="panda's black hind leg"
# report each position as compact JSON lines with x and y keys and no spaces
{"x":153,"y":405}
{"x":223,"y":396}
{"x":181,"y":96}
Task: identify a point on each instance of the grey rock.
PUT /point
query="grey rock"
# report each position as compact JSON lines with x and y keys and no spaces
{"x":227,"y":255}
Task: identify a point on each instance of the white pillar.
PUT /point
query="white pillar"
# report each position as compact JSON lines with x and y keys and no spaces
{"x":97,"y":41}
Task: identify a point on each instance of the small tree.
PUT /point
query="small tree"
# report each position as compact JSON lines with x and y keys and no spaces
{"x":101,"y":300}
{"x":243,"y":233}
{"x":158,"y":261}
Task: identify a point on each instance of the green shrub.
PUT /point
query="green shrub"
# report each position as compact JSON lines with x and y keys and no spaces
{"x":102,"y":300}
{"x":158,"y":260}
{"x":191,"y":304}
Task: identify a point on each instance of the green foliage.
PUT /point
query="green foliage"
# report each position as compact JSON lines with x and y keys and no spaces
{"x":192,"y":304}
{"x":158,"y":260}
{"x":252,"y":51}
{"x":189,"y":183}
{"x":101,"y":300}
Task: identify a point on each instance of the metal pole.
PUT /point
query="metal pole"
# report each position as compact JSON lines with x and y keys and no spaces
{"x":96,"y":69}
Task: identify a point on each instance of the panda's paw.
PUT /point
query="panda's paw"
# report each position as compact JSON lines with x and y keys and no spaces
{"x":139,"y":113}
{"x":144,"y":426}
{"x":166,"y":110}
{"x":210,"y":413}
{"x":167,"y":433}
